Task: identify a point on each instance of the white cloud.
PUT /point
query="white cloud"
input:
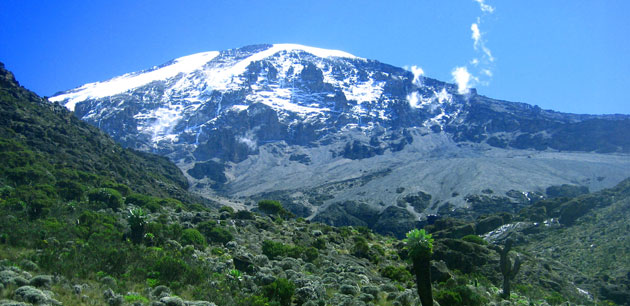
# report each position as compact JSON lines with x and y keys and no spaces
{"x":479,"y":42}
{"x":248,"y":140}
{"x":476,"y":35}
{"x":463,"y":78}
{"x":443,"y":96}
{"x":485,"y":7}
{"x":413,"y":99}
{"x":417,"y":74}
{"x":487,"y":72}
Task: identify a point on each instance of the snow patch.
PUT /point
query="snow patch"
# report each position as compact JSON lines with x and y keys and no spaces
{"x":224,"y":76}
{"x":129,"y":81}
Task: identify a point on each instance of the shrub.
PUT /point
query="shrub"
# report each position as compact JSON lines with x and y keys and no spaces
{"x":214,"y":232}
{"x":29,"y":175}
{"x":270,"y":207}
{"x":244,"y":215}
{"x":170,"y":269}
{"x":319,"y":243}
{"x":474,"y":239}
{"x":111,"y":198}
{"x":227,"y":209}
{"x":555,"y":298}
{"x":459,"y":295}
{"x":448,"y":298}
{"x":281,"y":290}
{"x":255,"y":300}
{"x":273,"y":249}
{"x":400,"y":274}
{"x":294,"y":251}
{"x":144,"y":201}
{"x":122,"y":188}
{"x":361,"y":248}
{"x":132,"y":298}
{"x":310,"y":254}
{"x":194,"y":237}
{"x":217,"y":251}
{"x":70,"y":190}
{"x":36,"y":200}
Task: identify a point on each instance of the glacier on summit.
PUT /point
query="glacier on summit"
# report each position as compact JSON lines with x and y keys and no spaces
{"x":300,"y":83}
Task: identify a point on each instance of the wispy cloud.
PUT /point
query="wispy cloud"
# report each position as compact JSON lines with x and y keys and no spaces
{"x":418,"y":73}
{"x":478,"y":42}
{"x":485,"y":7}
{"x":249,"y":140}
{"x":476,"y":35}
{"x":482,"y":62}
{"x":463,"y":79}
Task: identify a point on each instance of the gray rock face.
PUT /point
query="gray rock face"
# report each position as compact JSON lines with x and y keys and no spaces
{"x":319,"y":127}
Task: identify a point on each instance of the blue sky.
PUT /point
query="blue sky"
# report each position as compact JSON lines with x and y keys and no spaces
{"x":565,"y":55}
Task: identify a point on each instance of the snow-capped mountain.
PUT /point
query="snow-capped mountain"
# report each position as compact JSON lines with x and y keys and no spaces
{"x":188,"y":97}
{"x":322,"y":127}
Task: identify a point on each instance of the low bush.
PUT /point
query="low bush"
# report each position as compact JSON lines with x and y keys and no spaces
{"x":448,"y":298}
{"x":214,"y":232}
{"x":270,"y":207}
{"x":319,"y":243}
{"x":105,"y":197}
{"x":193,"y":237}
{"x":281,"y":290}
{"x":273,"y":249}
{"x":227,"y":209}
{"x":397,"y":273}
{"x":244,"y":215}
{"x":474,"y":239}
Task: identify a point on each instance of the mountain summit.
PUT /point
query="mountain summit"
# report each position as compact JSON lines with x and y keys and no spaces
{"x":302,"y":85}
{"x":348,"y":140}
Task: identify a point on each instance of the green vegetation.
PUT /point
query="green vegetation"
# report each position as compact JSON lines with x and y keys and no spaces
{"x":273,"y":250}
{"x":281,"y":291}
{"x":508,"y":269}
{"x":137,"y":224}
{"x":271,"y":207}
{"x":419,"y":245}
{"x":474,"y":239}
{"x":397,"y":273}
{"x":193,"y":237}
{"x":214,"y":232}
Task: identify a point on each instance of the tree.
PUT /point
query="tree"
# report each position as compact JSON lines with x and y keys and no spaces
{"x":508,"y":270}
{"x":137,"y":223}
{"x":419,"y":245}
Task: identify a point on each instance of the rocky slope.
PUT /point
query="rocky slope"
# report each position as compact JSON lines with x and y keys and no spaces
{"x":320,"y":128}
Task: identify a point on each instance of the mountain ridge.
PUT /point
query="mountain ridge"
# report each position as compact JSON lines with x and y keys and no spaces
{"x":276,"y":118}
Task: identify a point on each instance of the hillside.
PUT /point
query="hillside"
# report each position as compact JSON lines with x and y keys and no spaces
{"x":43,"y":141}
